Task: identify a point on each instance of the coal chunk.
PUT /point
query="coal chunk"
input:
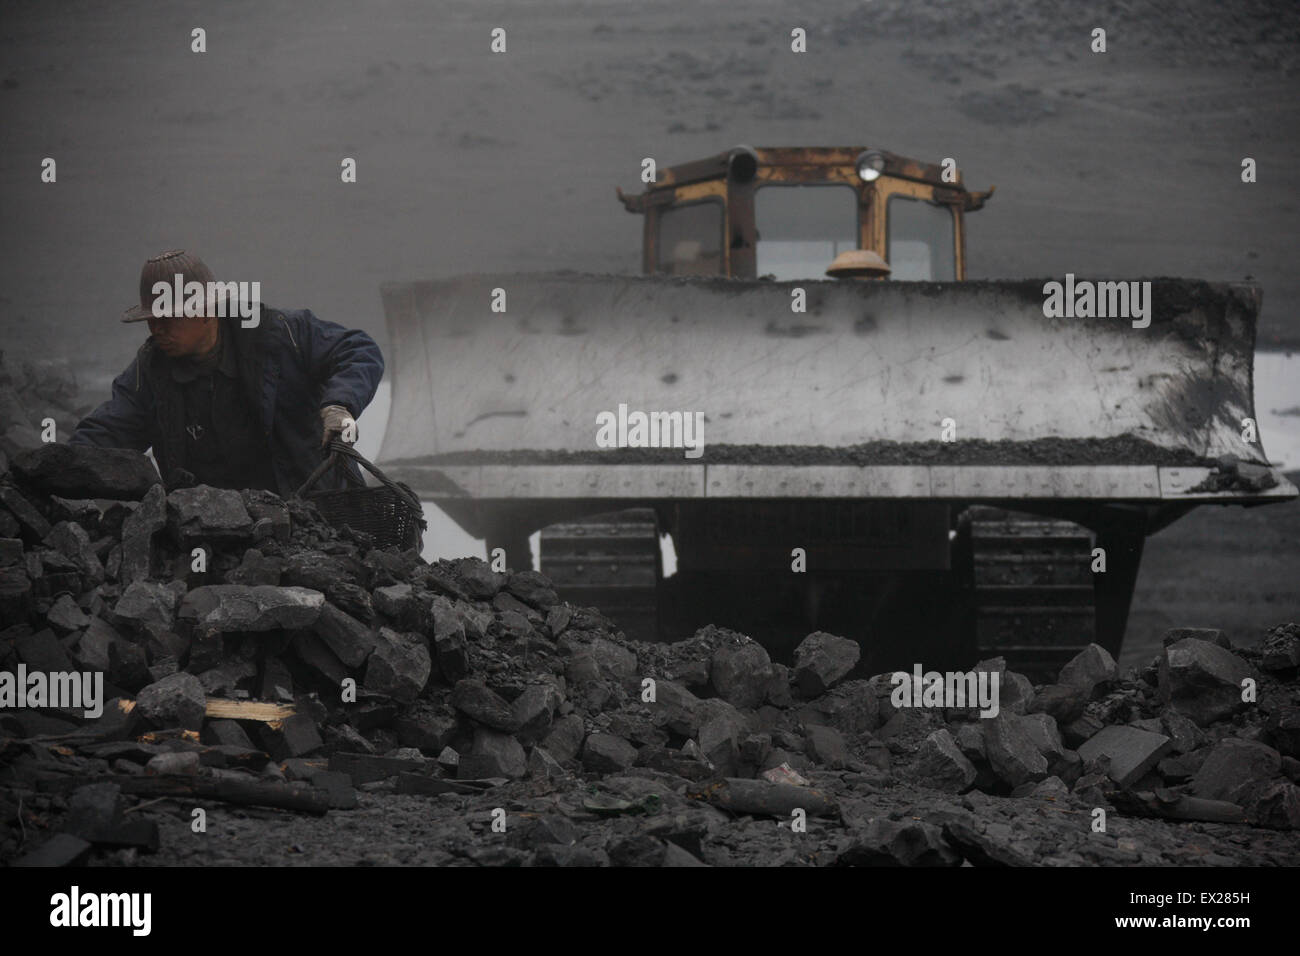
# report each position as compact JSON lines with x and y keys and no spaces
{"x":224,"y":608}
{"x":399,"y":666}
{"x":204,"y":514}
{"x":475,"y":699}
{"x":1202,"y":680}
{"x":740,"y":672}
{"x":175,"y":701}
{"x":821,"y":660}
{"x":84,"y":471}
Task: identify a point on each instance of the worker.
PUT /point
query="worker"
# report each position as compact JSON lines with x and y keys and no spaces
{"x":229,"y":392}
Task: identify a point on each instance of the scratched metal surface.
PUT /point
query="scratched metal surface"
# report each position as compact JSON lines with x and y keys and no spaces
{"x":868,"y":361}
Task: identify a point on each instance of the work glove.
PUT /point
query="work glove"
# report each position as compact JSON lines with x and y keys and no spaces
{"x":336,"y":419}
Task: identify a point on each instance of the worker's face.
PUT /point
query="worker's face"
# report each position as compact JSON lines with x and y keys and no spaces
{"x":183,"y":336}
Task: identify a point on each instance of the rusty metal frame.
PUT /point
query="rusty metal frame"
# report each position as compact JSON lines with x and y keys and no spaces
{"x":808,"y":166}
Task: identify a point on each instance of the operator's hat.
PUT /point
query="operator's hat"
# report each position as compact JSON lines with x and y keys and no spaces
{"x":164,"y":268}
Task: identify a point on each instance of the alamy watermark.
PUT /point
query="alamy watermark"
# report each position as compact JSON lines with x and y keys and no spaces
{"x":626,"y":429}
{"x":75,"y":909}
{"x":200,"y":299}
{"x":71,"y":689}
{"x":954,"y":689}
{"x":1085,"y":299}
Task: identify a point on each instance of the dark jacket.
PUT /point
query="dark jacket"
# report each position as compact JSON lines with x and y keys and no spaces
{"x":292,"y":364}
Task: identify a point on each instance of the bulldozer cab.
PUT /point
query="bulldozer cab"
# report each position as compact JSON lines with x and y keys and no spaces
{"x":786,"y":213}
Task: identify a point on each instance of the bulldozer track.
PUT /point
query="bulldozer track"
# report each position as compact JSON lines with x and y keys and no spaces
{"x":1033,"y":594}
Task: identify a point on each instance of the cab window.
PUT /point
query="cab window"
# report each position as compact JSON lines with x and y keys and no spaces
{"x":922,"y":242}
{"x":690,"y":240}
{"x":801,"y":229}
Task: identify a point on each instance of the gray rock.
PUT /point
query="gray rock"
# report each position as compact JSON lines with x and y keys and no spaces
{"x":565,"y":739}
{"x":501,"y":748}
{"x":1062,"y":702}
{"x":1202,"y":680}
{"x":268,"y":507}
{"x":399,"y":666}
{"x":226,"y":608}
{"x":72,"y":542}
{"x":1012,"y":750}
{"x":1090,"y":669}
{"x":30,"y":522}
{"x":349,"y":639}
{"x":542,"y":766}
{"x":138,"y":530}
{"x":898,"y":843}
{"x":970,"y":741}
{"x":1284,"y":730}
{"x":741,"y":673}
{"x":183,"y":762}
{"x":65,"y":617}
{"x":450,"y":646}
{"x":1235,"y":770}
{"x":827,"y":747}
{"x":256,"y":568}
{"x":11,"y":551}
{"x":1015,"y":693}
{"x":320,"y":660}
{"x":479,"y":580}
{"x":1131,"y":752}
{"x":476,"y":700}
{"x":203,"y":514}
{"x":1282,"y":649}
{"x":614,"y":661}
{"x":606,"y":753}
{"x":175,"y":701}
{"x":514,"y":625}
{"x":533,"y":588}
{"x":676,"y":708}
{"x":821,"y":660}
{"x":145,"y":605}
{"x":533,"y":711}
{"x":92,"y":649}
{"x":1182,"y":731}
{"x":991,"y":846}
{"x":722,"y":728}
{"x":1277,"y":804}
{"x":397,"y":601}
{"x":941,"y":764}
{"x":84,"y":471}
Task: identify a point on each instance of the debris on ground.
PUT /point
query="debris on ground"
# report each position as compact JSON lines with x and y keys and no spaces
{"x":270,"y":670}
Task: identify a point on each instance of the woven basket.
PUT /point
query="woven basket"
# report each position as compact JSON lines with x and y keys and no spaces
{"x":389,"y":512}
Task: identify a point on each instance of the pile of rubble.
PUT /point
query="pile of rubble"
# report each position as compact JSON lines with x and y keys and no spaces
{"x":254,"y":657}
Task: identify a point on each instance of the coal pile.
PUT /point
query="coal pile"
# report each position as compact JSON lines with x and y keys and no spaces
{"x":275,"y":690}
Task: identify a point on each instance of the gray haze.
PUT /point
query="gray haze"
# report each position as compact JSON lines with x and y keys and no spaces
{"x":1124,"y":164}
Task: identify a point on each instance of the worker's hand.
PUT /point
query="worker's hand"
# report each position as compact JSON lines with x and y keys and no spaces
{"x":339,"y":424}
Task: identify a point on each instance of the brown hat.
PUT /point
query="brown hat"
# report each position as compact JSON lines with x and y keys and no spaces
{"x":163,"y":268}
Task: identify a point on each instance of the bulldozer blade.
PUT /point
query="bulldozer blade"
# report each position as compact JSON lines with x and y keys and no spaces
{"x":509,"y":363}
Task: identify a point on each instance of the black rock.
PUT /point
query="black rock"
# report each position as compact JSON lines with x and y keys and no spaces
{"x":477,"y":700}
{"x":175,"y":701}
{"x":83,"y":471}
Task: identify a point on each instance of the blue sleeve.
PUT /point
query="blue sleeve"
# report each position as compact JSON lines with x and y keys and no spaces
{"x":122,"y":421}
{"x":345,"y":362}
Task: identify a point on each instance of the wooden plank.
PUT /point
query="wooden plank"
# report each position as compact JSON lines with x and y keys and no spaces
{"x":262,"y":710}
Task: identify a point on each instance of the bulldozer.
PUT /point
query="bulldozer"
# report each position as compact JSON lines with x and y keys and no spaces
{"x":934,"y":466}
